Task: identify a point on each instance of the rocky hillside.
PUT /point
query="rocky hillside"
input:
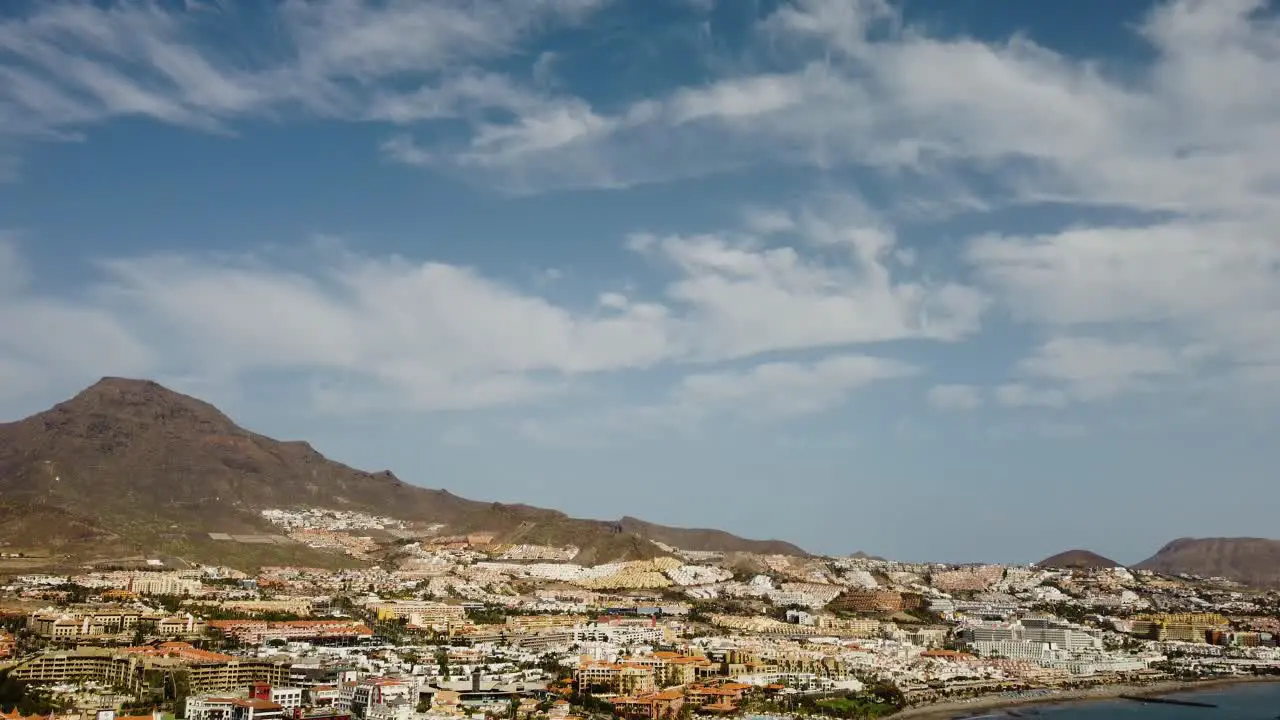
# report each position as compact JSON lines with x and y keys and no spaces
{"x":1254,"y":561}
{"x":128,"y":465}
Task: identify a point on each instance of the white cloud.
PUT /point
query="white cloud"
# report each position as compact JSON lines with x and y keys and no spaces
{"x":438,"y":336}
{"x":821,"y":82}
{"x":1095,"y":369}
{"x":760,"y":393}
{"x":946,"y":124}
{"x":762,"y":221}
{"x":744,"y":299}
{"x":1021,"y":395}
{"x":387,"y":332}
{"x":48,"y":341}
{"x":955,"y":397}
{"x":1214,"y":287}
{"x":399,"y":61}
{"x":50,"y":344}
{"x":785,"y":388}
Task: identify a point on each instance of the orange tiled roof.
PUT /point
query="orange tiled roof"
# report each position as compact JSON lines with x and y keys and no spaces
{"x":648,"y":699}
{"x":256,"y":704}
{"x":181,"y":650}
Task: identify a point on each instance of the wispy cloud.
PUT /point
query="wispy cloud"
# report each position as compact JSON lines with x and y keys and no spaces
{"x":70,"y":65}
{"x":758,"y":394}
{"x":944,"y":124}
{"x":772,"y":390}
{"x":377,"y":332}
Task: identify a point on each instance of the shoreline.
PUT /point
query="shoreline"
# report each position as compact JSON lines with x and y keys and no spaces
{"x":953,"y":710}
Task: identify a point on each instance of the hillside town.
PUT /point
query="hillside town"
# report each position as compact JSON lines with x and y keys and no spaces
{"x":461,"y":626}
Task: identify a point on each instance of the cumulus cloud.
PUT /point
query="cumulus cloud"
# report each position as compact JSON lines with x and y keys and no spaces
{"x":1212,"y":289}
{"x":1022,"y":395}
{"x":1095,"y":369}
{"x":745,"y":300}
{"x":437,"y":336}
{"x":385,"y":332}
{"x":955,"y":397}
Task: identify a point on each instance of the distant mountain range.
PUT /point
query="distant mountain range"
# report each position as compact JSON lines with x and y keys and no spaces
{"x":129,"y":468}
{"x":1253,"y":561}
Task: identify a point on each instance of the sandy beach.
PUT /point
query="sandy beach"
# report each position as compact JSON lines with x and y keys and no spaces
{"x":976,"y":706}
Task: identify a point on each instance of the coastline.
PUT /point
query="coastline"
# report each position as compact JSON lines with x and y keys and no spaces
{"x":976,"y":706}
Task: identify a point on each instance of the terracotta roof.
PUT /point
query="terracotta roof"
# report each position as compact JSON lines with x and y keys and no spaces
{"x":257,"y":704}
{"x":181,"y":650}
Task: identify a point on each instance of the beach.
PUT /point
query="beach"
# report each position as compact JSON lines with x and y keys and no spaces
{"x":976,"y":706}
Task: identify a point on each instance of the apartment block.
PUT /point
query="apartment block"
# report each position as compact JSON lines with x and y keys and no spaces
{"x":205,"y":672}
{"x":426,"y":611}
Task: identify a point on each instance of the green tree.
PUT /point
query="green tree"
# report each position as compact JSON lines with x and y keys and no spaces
{"x":487,"y":615}
{"x":442,"y":660}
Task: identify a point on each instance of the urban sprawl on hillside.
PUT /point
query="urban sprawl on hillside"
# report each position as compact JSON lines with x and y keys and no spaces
{"x":460,"y":626}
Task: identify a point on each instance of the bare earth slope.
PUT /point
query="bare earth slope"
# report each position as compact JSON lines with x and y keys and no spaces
{"x":129,"y":464}
{"x":1078,"y":560}
{"x":1254,"y":561}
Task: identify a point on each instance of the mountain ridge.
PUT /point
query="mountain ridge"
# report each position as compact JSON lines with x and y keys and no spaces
{"x":133,"y":464}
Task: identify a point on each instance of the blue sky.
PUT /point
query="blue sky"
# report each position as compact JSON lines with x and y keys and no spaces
{"x":977,"y":280}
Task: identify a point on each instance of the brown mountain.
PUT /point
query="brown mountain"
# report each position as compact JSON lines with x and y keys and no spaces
{"x":1254,"y":561}
{"x":128,"y":466}
{"x":1078,"y":560}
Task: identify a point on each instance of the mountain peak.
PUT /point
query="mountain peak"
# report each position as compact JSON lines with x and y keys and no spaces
{"x":139,"y":400}
{"x":1078,"y":559}
{"x":111,"y":386}
{"x":1251,"y":560}
{"x":114,"y":382}
{"x":150,"y":468}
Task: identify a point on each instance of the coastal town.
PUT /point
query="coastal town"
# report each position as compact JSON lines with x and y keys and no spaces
{"x":441,"y":626}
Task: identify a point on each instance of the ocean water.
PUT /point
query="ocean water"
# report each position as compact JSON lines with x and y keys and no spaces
{"x":1258,"y":701}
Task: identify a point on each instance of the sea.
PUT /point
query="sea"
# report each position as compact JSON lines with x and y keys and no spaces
{"x":1254,"y":701}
